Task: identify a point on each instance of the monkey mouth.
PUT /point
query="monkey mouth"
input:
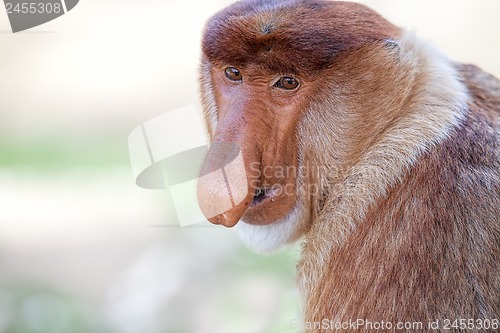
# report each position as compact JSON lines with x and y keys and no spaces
{"x":259,"y":196}
{"x":270,"y":203}
{"x":264,"y":194}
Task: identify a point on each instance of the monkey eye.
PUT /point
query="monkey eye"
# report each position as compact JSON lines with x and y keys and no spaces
{"x":288,"y":83}
{"x":233,"y":74}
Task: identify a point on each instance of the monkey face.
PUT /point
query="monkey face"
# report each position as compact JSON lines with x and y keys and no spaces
{"x":264,"y":64}
{"x":258,"y":112}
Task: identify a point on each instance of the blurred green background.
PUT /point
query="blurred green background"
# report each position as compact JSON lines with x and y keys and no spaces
{"x":82,"y":249}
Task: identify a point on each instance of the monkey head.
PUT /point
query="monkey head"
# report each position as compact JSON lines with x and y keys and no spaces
{"x":290,"y":84}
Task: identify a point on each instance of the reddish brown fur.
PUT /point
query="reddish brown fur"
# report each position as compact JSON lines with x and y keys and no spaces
{"x":429,"y":250}
{"x":243,"y":33}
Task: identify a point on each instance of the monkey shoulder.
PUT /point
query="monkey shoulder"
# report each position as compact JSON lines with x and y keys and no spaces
{"x":484,"y":90}
{"x":462,"y":173}
{"x":469,"y":158}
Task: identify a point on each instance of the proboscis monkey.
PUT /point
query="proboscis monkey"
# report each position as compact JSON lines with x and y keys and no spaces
{"x":377,"y":150}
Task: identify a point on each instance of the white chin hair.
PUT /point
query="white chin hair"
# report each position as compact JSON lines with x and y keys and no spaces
{"x":267,"y":238}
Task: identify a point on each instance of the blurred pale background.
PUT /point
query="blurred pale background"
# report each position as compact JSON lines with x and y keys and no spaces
{"x":82,"y":248}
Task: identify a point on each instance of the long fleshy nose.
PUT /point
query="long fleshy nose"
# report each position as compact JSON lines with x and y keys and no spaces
{"x":224,"y":187}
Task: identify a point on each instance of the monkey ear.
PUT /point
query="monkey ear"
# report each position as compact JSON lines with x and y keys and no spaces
{"x":391,"y":44}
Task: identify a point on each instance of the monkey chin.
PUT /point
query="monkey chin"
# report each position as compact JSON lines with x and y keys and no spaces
{"x":273,"y":222}
{"x":269,"y":237}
